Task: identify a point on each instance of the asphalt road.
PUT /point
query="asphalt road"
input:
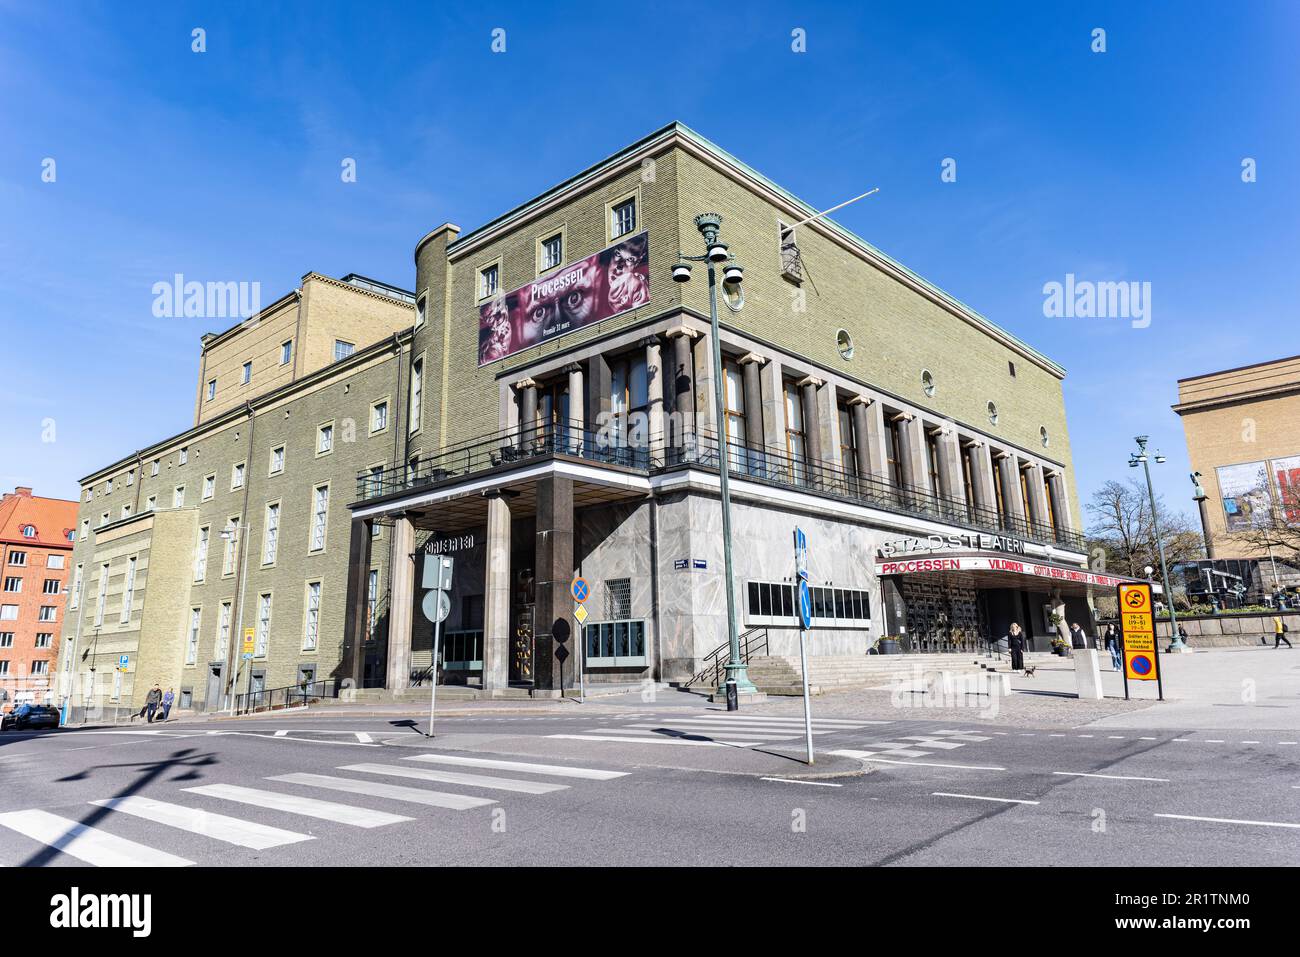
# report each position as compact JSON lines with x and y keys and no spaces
{"x":659,"y":786}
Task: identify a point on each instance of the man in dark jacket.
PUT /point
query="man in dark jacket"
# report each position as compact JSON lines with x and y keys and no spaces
{"x":152,"y":700}
{"x":1078,"y":638}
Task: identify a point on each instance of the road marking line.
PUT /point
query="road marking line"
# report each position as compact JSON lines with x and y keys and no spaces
{"x":1112,"y":777}
{"x":1056,"y":735}
{"x":308,"y":807}
{"x":220,"y":827}
{"x":977,"y":797}
{"x":871,"y":756}
{"x":1147,"y":739}
{"x":820,"y":784}
{"x":281,"y":734}
{"x":557,"y":770}
{"x":1228,"y":820}
{"x":1286,"y":742}
{"x":773,"y":719}
{"x":1182,"y":739}
{"x":937,"y":744}
{"x":1115,"y":737}
{"x":710,"y":731}
{"x":655,"y":740}
{"x":456,"y":777}
{"x":364,"y":738}
{"x":91,"y":845}
{"x":1214,"y":741}
{"x":396,"y":792}
{"x":1087,"y":736}
{"x":1250,"y":742}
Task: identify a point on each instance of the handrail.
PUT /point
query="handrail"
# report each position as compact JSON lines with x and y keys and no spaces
{"x":272,"y":699}
{"x":750,"y":643}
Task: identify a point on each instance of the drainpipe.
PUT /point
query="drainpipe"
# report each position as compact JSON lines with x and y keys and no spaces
{"x":241,"y":565}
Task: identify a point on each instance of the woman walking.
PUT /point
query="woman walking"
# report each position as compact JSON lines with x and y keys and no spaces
{"x":1111,"y":640}
{"x":1016,"y":645}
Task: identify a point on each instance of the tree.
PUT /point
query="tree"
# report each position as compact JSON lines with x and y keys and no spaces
{"x":1121,"y":535}
{"x":1275,"y":532}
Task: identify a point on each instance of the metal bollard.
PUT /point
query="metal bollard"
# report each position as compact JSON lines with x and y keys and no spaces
{"x":733,"y":699}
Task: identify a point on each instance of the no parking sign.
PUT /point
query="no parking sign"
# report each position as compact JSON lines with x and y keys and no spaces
{"x":1138,"y":628}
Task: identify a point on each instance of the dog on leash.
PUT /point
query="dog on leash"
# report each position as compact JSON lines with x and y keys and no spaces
{"x":1029,"y":670}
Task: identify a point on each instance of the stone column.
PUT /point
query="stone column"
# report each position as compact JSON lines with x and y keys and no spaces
{"x":554,"y":573}
{"x":496,"y":598}
{"x":401,"y":598}
{"x":655,"y":439}
{"x":751,"y":366}
{"x":526,"y":389}
{"x":984,"y":479}
{"x":812,"y":433}
{"x":1038,"y":513}
{"x":598,"y":399}
{"x":1009,"y":473}
{"x":877,"y":438}
{"x":862,"y":441}
{"x":907,"y":463}
{"x":681,"y":386}
{"x":1060,"y":501}
{"x":577,"y":409}
{"x":354,"y":624}
{"x":702,"y":378}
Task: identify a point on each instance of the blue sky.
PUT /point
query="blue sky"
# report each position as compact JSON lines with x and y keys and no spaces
{"x":1123,"y":165}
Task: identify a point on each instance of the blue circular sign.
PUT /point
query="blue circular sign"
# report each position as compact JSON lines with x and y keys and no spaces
{"x":805,"y":604}
{"x":1141,"y":664}
{"x":579,"y":589}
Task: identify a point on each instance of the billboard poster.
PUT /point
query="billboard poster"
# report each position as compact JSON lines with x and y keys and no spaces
{"x":1245,"y":492}
{"x":1286,"y":473}
{"x":591,"y":290}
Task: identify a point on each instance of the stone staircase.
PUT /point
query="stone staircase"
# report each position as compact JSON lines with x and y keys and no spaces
{"x":779,"y":675}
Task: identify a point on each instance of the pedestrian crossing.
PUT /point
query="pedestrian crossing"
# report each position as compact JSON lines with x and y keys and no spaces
{"x":193,"y":812}
{"x":912,"y":745}
{"x":720,"y":729}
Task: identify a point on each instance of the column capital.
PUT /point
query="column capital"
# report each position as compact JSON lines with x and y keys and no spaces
{"x":572,"y":367}
{"x":863,"y":400}
{"x":687,"y":331}
{"x":812,"y":381}
{"x":902,"y":417}
{"x":525,"y":384}
{"x":752,"y":357}
{"x":650,"y":340}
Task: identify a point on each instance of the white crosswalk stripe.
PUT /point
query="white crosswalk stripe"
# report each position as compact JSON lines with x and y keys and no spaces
{"x":220,"y":827}
{"x":308,"y":807}
{"x":626,"y":738}
{"x":395,"y":792}
{"x":717,"y":728}
{"x":912,"y":745}
{"x":556,"y":770}
{"x":88,"y":844}
{"x":457,"y":777}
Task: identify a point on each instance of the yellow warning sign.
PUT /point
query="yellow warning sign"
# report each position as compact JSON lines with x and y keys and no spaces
{"x":580,"y":613}
{"x":249,"y":640}
{"x":1137,"y":624}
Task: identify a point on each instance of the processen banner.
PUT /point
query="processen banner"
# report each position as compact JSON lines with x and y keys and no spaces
{"x":603,"y":285}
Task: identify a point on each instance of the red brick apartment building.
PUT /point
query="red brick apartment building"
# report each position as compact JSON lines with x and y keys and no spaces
{"x":35,"y":553}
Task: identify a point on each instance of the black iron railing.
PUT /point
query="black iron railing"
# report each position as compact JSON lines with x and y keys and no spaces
{"x":290,"y":696}
{"x":752,"y":644}
{"x":685,"y":448}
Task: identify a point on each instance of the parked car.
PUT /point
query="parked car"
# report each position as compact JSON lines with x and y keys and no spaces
{"x":30,"y":716}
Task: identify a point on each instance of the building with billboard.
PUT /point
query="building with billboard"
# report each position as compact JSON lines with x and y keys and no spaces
{"x":36,"y":536}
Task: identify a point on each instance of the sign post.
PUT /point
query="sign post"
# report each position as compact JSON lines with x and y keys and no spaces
{"x":805,"y":622}
{"x":578,"y":588}
{"x":436,"y":607}
{"x":1138,"y":637}
{"x":250,"y":643}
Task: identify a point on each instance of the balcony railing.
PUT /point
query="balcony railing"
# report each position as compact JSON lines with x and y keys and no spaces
{"x":699,"y":449}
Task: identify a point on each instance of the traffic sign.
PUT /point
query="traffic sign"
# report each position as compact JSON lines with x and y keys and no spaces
{"x":1137,"y":625}
{"x":124,"y":661}
{"x":437,"y":572}
{"x":805,"y":604}
{"x":579,"y":589}
{"x":249,"y":642}
{"x":580,"y":613}
{"x":436,"y":606}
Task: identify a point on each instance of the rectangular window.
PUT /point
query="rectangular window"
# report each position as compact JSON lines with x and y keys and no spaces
{"x":6,"y":639}
{"x":286,"y":352}
{"x":419,"y":312}
{"x":271,"y":537}
{"x":130,"y":477}
{"x":44,"y":639}
{"x":128,"y":591}
{"x":894,"y":449}
{"x":40,"y":667}
{"x":319,"y":515}
{"x":615,"y":644}
{"x":13,"y":583}
{"x":379,"y":417}
{"x":47,"y":613}
{"x":51,"y":586}
{"x":237,"y":476}
{"x":103,"y":519}
{"x":311,"y":622}
{"x":212,"y":389}
{"x":372,"y":601}
{"x":151,"y":503}
{"x":622,"y":219}
{"x":75,"y":598}
{"x":223,"y":630}
{"x":488,"y":282}
{"x":85,"y":529}
{"x":417,"y":390}
{"x":108,"y":487}
{"x":192,"y":644}
{"x":183,"y":455}
{"x":552,"y":252}
{"x":231,"y":535}
{"x":4,"y":667}
{"x":325,"y":439}
{"x":54,"y":561}
{"x":263,"y":624}
{"x":343,"y":349}
{"x":201,"y":554}
{"x":18,"y":558}
{"x":932,"y":453}
{"x":90,"y":493}
{"x":246,"y":373}
{"x":796,"y":438}
{"x":178,"y":497}
{"x":277,"y":460}
{"x":209,"y":486}
{"x":774,"y":603}
{"x":126,"y":511}
{"x":153,"y":467}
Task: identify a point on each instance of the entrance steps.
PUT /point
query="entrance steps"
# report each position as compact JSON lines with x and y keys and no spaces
{"x":779,"y":674}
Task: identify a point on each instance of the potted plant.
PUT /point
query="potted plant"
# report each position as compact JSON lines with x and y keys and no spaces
{"x":888,"y":645}
{"x":1060,"y":647}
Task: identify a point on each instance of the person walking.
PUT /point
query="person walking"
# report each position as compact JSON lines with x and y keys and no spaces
{"x":167,"y":700}
{"x":1077,"y":637}
{"x":1111,"y":640}
{"x":152,"y":700}
{"x":1279,"y":633}
{"x":1016,"y":645}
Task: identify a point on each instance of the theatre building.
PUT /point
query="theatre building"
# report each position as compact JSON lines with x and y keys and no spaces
{"x":562,"y":423}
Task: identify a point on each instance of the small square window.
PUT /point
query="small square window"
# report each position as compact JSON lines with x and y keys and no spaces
{"x":343,"y":349}
{"x":488,"y":282}
{"x":246,"y":373}
{"x":325,"y":439}
{"x":277,"y":460}
{"x":552,"y":252}
{"x":237,"y":476}
{"x":286,"y":352}
{"x":379,"y":417}
{"x":622,"y":219}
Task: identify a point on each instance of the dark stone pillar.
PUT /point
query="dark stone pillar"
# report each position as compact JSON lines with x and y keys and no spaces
{"x":527,"y":411}
{"x":682,"y":389}
{"x":598,"y":397}
{"x":861,"y":443}
{"x":353,"y":657}
{"x":554,"y":573}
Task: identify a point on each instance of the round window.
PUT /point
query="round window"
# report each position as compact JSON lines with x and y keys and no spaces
{"x":993,"y":413}
{"x":927,"y":382}
{"x":844,"y":342}
{"x":1042,"y":434}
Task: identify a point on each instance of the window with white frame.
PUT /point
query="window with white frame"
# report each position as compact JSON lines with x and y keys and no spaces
{"x":54,"y":561}
{"x":311,"y":620}
{"x":151,"y":503}
{"x":237,"y":476}
{"x":51,"y":586}
{"x":372,"y":601}
{"x":488,"y":281}
{"x":343,"y":349}
{"x":6,"y":639}
{"x":209,"y":486}
{"x":103,"y":519}
{"x":126,"y":511}
{"x":286,"y":352}
{"x":325,"y":439}
{"x":277,"y":460}
{"x":102,"y":597}
{"x":108,"y":487}
{"x":419,"y":312}
{"x":212,"y":389}
{"x":44,"y":639}
{"x":4,"y":667}
{"x":776,"y":603}
{"x":183,"y":455}
{"x":223,"y":630}
{"x":379,"y":416}
{"x":153,"y":467}
{"x":552,"y":252}
{"x":18,"y":558}
{"x":75,"y":598}
{"x":622,"y":219}
{"x":13,"y":583}
{"x":201,"y":554}
{"x":178,"y":497}
{"x":246,"y":373}
{"x":417,"y":393}
{"x":271,"y":538}
{"x":192,"y":644}
{"x":128,"y":591}
{"x":85,"y":529}
{"x":47,"y":613}
{"x":263,"y":624}
{"x":40,"y":667}
{"x":130,"y":477}
{"x":320,"y":502}
{"x":8,"y":612}
{"x":231,"y":535}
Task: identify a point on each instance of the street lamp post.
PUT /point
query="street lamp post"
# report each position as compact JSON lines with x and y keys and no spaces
{"x":1134,"y":460}
{"x":1200,"y":498}
{"x":732,"y":275}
